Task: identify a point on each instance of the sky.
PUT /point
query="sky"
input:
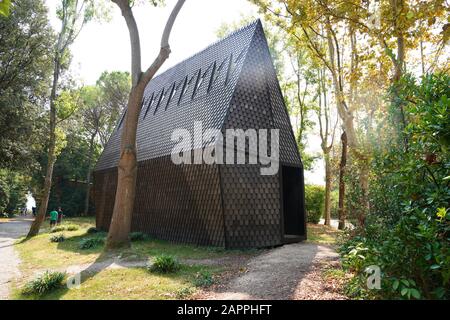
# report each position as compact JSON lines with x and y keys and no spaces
{"x":105,"y":46}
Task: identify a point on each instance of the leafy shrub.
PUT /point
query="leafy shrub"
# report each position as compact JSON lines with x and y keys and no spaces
{"x":184,"y":293}
{"x":57,"y":238}
{"x":92,"y":230}
{"x":314,"y":201}
{"x":137,"y":236}
{"x":67,"y":227}
{"x":165,"y":264}
{"x":57,"y":229}
{"x":44,"y":283}
{"x":203,"y":279}
{"x":407,"y":229}
{"x":91,"y":243}
{"x":71,"y":227}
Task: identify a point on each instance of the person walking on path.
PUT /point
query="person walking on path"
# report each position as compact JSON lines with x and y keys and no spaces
{"x":53,"y":218}
{"x":60,"y":215}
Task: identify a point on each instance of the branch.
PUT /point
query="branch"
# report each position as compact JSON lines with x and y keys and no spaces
{"x":164,"y":52}
{"x":135,"y":41}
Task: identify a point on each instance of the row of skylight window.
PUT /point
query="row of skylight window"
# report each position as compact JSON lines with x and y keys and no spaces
{"x":186,"y":83}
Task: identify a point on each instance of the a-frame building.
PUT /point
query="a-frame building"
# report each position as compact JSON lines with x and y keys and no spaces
{"x":229,"y":85}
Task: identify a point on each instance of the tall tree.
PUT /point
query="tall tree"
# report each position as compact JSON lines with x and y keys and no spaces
{"x":74,"y":14}
{"x":326,"y":132}
{"x":127,"y":167}
{"x":25,"y":72}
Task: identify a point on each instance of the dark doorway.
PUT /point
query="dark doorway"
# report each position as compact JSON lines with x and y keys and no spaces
{"x":293,"y":209}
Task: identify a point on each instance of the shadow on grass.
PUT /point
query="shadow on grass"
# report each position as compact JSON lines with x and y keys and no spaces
{"x":144,"y":284}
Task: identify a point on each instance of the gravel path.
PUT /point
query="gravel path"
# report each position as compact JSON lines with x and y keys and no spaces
{"x":9,"y":260}
{"x":281,"y":274}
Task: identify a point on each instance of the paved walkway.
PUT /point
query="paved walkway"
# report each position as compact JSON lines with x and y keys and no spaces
{"x":10,"y":230}
{"x":278,"y":274}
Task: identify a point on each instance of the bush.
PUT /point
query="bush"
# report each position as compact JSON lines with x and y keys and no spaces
{"x":203,"y":279}
{"x":91,"y":243}
{"x":137,"y":236}
{"x":184,"y":293}
{"x":314,"y":201}
{"x":44,"y":283}
{"x":92,"y":230}
{"x":71,"y":227}
{"x":68,"y":227}
{"x":406,"y":231}
{"x":57,"y":229}
{"x":165,"y":264}
{"x":57,"y":238}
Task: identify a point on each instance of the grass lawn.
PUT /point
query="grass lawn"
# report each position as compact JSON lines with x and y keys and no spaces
{"x":318,"y":233}
{"x":39,"y":254}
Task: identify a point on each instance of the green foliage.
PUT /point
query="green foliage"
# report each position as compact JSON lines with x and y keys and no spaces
{"x":137,"y":236}
{"x":314,"y":201}
{"x":4,"y":7}
{"x":203,"y":279}
{"x":26,"y":56}
{"x":13,"y":190}
{"x":407,"y":232}
{"x":91,"y":243}
{"x":183,"y":293}
{"x":57,"y":238}
{"x":44,"y":283}
{"x":67,"y":227}
{"x":165,"y":264}
{"x":92,"y":230}
{"x":57,"y":229}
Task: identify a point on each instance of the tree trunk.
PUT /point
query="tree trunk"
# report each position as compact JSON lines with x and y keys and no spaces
{"x":327,"y":190}
{"x":127,"y":173}
{"x":364,"y":183}
{"x":88,"y":177}
{"x":40,"y":217}
{"x":341,"y":210}
{"x":127,"y":168}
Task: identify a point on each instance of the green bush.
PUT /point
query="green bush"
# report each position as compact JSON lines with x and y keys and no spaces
{"x":57,"y":229}
{"x":44,"y":283}
{"x":57,"y":238}
{"x":165,"y":264}
{"x":406,"y":232}
{"x":90,"y":243}
{"x":314,"y":201}
{"x":203,"y":279}
{"x":71,"y":227}
{"x":67,"y":227}
{"x":137,"y":236}
{"x":92,"y":230}
{"x":183,"y":293}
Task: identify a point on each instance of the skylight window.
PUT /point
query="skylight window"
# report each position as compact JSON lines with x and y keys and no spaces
{"x":218,"y":71}
{"x":172,"y":94}
{"x":121,"y":120}
{"x":149,"y":104}
{"x":211,"y":79}
{"x":161,"y":98}
{"x":198,"y":83}
{"x":183,"y":90}
{"x":232,"y":65}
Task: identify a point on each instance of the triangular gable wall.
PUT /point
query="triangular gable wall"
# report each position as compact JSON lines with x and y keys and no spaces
{"x":258,"y":102}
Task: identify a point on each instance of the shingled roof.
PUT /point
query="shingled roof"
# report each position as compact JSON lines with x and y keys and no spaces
{"x":199,"y":88}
